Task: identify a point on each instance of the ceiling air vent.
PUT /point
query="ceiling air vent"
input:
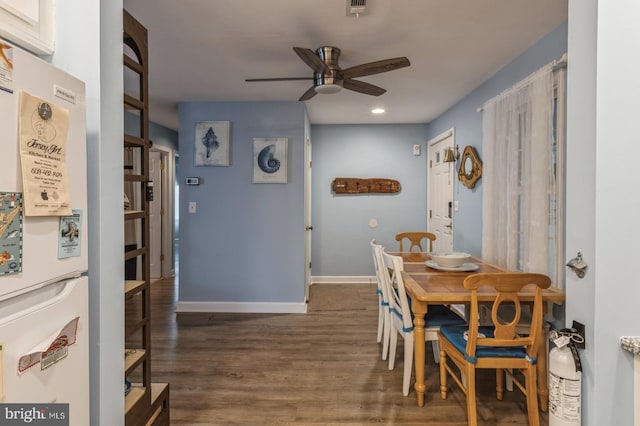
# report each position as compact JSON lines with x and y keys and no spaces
{"x":356,"y":7}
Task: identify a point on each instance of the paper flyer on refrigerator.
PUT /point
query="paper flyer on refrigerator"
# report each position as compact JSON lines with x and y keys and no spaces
{"x":69,"y":236}
{"x":43,"y":143}
{"x":10,"y":232}
{"x":6,"y":67}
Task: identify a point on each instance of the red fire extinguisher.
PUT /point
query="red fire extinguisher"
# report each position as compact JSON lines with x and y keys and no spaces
{"x":565,"y":378}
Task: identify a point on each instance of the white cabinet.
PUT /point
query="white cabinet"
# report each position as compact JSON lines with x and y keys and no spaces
{"x":29,"y":24}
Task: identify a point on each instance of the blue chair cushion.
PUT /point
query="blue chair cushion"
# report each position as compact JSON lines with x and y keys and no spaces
{"x":440,"y":315}
{"x":455,"y":334}
{"x":437,"y":315}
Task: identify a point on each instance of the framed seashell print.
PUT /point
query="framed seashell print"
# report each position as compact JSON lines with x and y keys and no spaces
{"x":270,"y":160}
{"x":211,"y":143}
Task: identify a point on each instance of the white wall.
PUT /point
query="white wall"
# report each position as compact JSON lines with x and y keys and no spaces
{"x":602,"y":201}
{"x":89,"y":46}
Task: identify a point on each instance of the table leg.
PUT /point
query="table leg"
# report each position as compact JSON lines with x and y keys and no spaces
{"x":419,"y":310}
{"x":543,"y":386}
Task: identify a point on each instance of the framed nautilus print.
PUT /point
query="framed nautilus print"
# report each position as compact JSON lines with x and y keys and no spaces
{"x":270,"y":160}
{"x":211,"y":143}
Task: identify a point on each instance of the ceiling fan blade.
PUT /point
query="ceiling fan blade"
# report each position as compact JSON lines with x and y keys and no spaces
{"x":279,"y":79}
{"x":310,"y":58}
{"x":362,"y":87}
{"x":376,"y":67}
{"x":308,"y":94}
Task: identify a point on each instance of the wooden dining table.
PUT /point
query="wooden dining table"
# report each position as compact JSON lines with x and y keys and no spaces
{"x":427,"y":285}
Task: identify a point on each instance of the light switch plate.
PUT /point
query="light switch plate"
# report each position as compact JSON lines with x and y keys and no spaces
{"x":192,"y":207}
{"x":416,"y":149}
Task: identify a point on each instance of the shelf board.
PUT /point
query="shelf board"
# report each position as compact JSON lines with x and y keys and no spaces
{"x":131,"y":287}
{"x":134,"y":214}
{"x":133,"y":103}
{"x":130,"y":177}
{"x":159,"y":403}
{"x":157,"y":389}
{"x":134,"y":253}
{"x":133,"y":358}
{"x":133,"y":141}
{"x":131,"y":399}
{"x":132,"y":64}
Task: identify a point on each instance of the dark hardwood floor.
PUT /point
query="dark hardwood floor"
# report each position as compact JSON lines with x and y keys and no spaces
{"x":319,"y":368}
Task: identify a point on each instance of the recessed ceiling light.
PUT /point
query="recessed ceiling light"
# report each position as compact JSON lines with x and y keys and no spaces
{"x":378,"y":110}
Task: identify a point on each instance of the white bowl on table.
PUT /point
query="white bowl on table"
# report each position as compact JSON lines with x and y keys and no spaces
{"x":450,"y":259}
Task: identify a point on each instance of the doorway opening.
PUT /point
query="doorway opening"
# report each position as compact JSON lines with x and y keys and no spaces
{"x":440,"y":183}
{"x":162,"y":212}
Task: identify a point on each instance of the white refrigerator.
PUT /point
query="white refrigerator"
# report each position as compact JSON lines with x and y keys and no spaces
{"x":44,"y":321}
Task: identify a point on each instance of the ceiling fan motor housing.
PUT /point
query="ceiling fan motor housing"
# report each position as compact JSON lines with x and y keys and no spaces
{"x":328,"y":82}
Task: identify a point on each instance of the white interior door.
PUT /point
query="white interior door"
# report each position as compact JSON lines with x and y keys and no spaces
{"x":440,"y":178}
{"x":155,"y":217}
{"x":307,"y":220}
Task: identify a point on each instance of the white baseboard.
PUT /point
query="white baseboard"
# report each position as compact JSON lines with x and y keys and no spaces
{"x":243,"y":307}
{"x":343,"y":280}
{"x":266,"y":307}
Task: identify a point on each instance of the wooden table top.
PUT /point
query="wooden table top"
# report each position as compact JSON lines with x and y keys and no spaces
{"x":434,"y":286}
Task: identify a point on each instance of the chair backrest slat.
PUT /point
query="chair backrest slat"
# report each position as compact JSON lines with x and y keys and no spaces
{"x":507,"y":284}
{"x":398,"y":300}
{"x":380,"y":269}
{"x":415,"y":239}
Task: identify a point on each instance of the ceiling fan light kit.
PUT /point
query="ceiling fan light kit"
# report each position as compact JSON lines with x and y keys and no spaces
{"x":327,"y":89}
{"x":328,"y":77}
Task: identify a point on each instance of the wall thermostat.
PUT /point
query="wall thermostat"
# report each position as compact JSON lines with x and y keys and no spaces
{"x":192,"y":181}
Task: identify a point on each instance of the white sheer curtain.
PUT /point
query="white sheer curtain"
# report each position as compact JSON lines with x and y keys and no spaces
{"x":518,"y":174}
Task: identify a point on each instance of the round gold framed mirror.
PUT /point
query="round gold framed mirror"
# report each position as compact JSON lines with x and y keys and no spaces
{"x":470,"y":169}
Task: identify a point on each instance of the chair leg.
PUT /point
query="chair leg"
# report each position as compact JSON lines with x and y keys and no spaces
{"x":435,"y":345}
{"x":386,"y":335}
{"x":393,"y":342}
{"x":472,"y":415}
{"x":500,"y":383}
{"x":509,"y":381}
{"x":408,"y":364}
{"x":443,"y":374}
{"x":380,"y":323}
{"x":532,"y":396}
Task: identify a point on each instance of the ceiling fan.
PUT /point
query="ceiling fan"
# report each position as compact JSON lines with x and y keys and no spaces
{"x":328,"y":77}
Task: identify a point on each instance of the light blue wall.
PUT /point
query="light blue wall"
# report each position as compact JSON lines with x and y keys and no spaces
{"x":163,"y":136}
{"x":158,"y":134}
{"x":341,"y":223}
{"x":246,"y":241}
{"x":341,"y":231}
{"x":467,"y":123}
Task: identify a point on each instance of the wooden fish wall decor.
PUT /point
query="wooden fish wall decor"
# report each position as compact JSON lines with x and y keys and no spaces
{"x":365,"y":186}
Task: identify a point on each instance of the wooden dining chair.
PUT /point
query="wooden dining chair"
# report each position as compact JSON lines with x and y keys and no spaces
{"x":402,"y":317}
{"x":415,"y":239}
{"x":497,"y":346}
{"x":384,"y":321}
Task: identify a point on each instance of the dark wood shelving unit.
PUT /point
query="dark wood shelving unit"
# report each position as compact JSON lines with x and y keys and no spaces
{"x":146,"y":403}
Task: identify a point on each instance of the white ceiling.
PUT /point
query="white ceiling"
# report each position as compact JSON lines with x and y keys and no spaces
{"x":203,"y":50}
